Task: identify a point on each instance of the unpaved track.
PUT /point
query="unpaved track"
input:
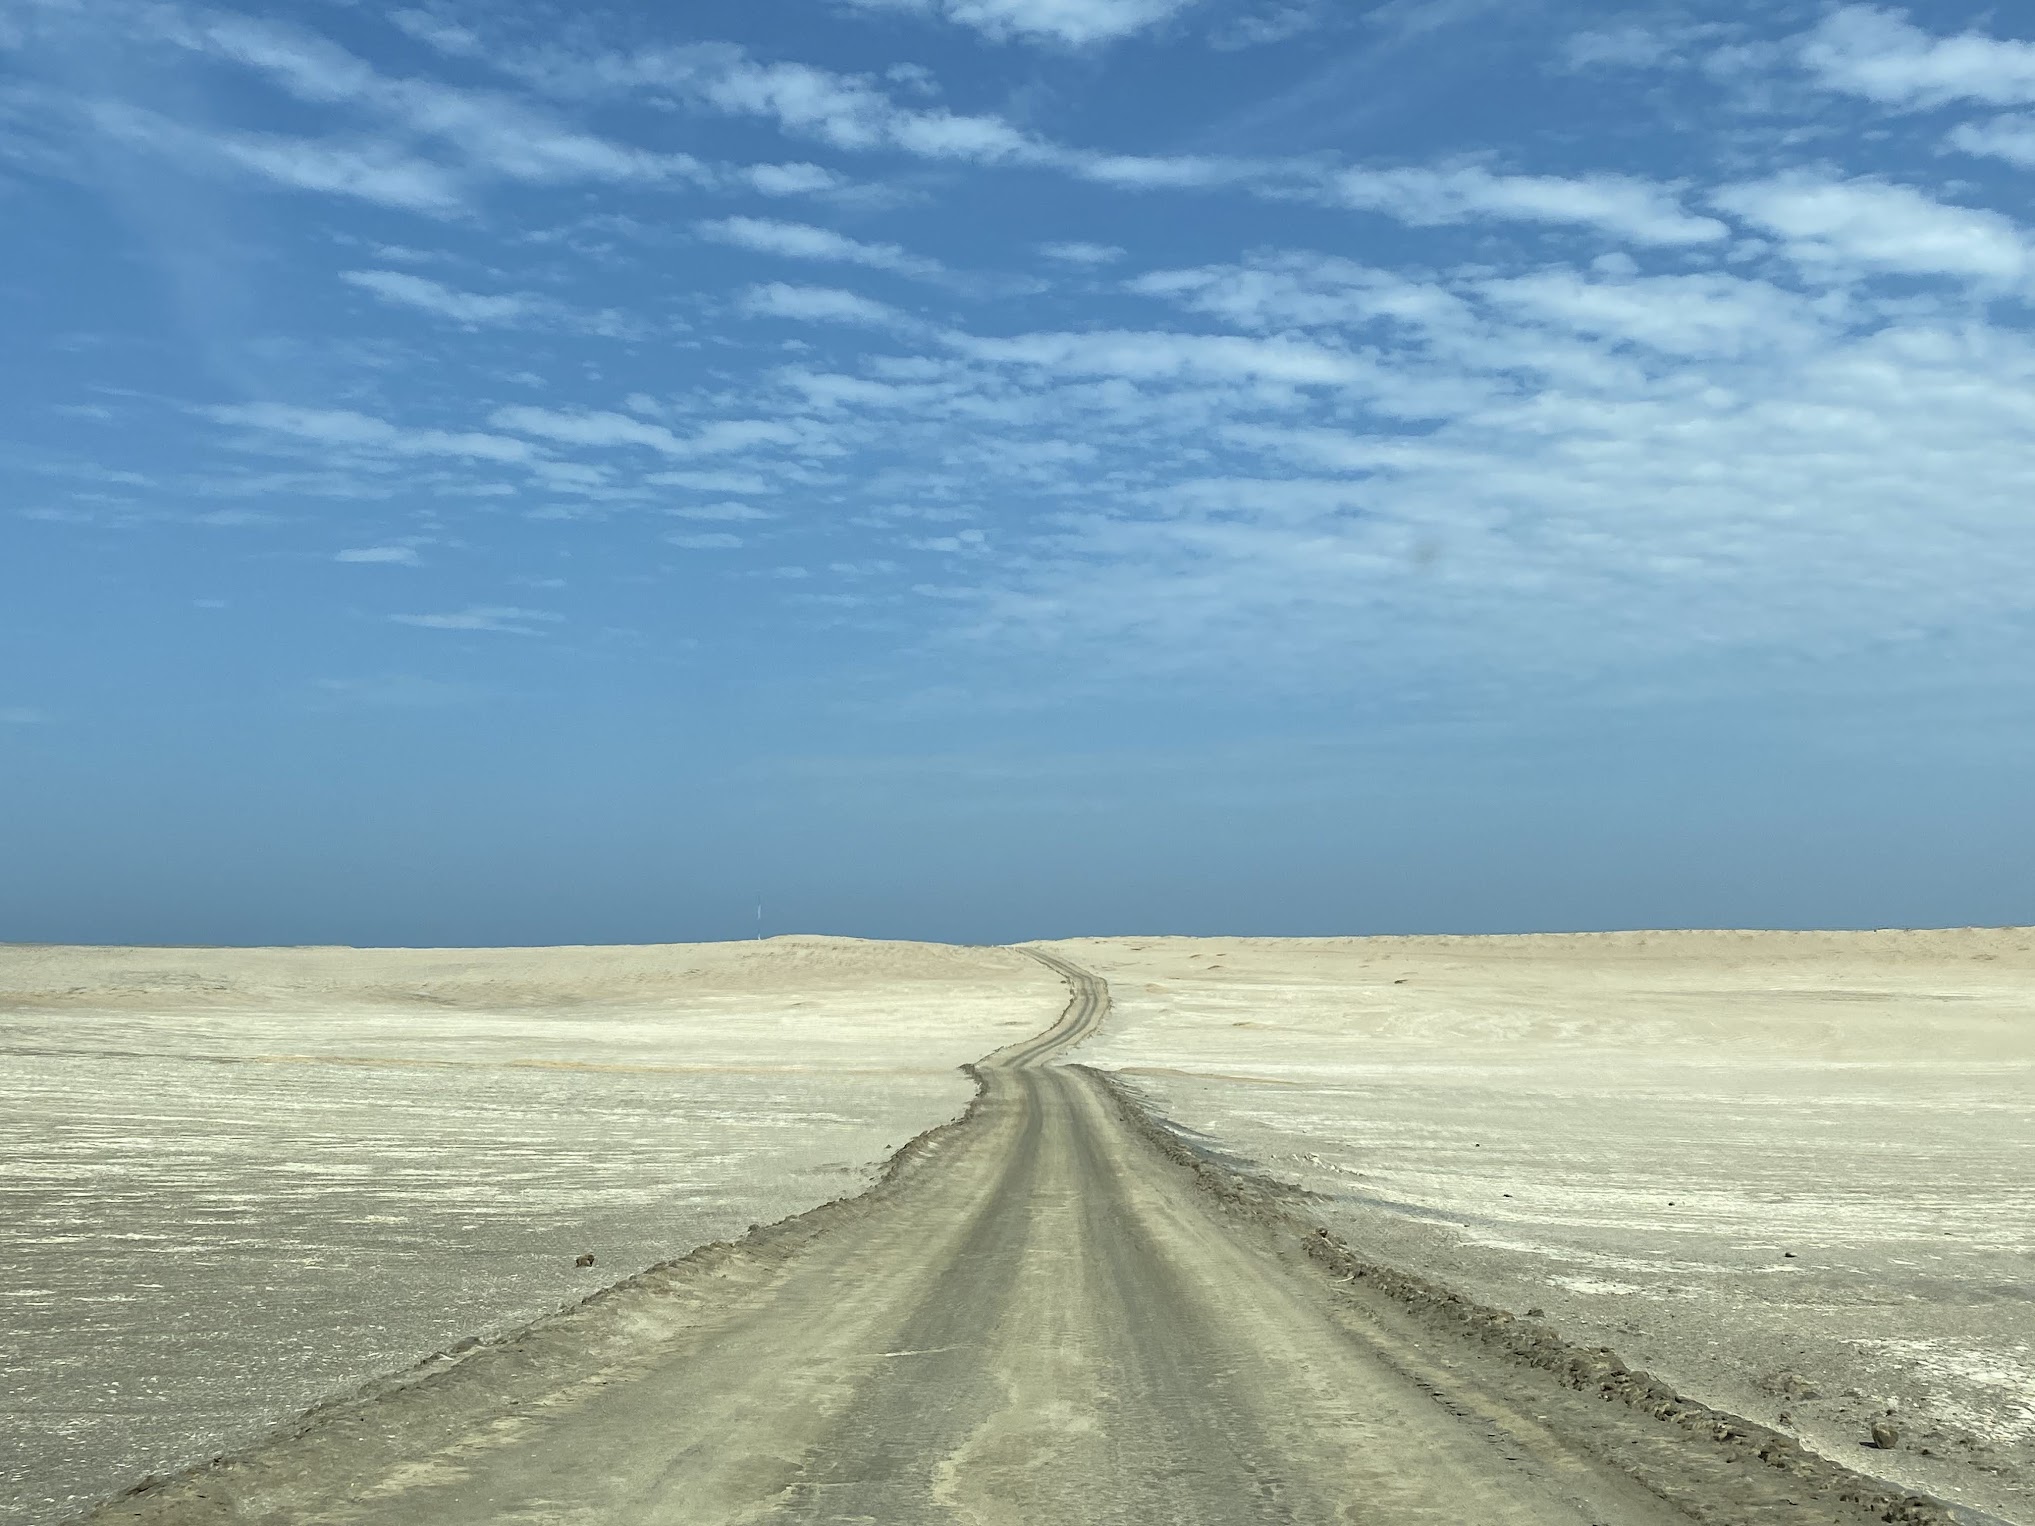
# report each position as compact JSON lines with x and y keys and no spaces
{"x":1044,"y":1320}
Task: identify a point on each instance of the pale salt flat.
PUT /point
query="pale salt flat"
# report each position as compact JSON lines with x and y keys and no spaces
{"x":1635,"y":1131}
{"x":236,"y":1182}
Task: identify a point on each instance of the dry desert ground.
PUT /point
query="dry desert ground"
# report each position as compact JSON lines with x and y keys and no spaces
{"x":1790,"y":1174}
{"x":234,"y":1183}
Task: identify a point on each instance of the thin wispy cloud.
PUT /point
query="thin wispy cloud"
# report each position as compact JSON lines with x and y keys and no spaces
{"x":381,"y":173}
{"x":1078,"y":253}
{"x":1160,"y":355}
{"x":599,"y":429}
{"x":345,"y":429}
{"x":1072,"y":23}
{"x":395,"y":139}
{"x":387,"y":556}
{"x":818,"y":304}
{"x":1620,"y":205}
{"x":490,"y":132}
{"x":486,"y":617}
{"x":731,"y":510}
{"x":803,"y":241}
{"x":473,"y":308}
{"x":519,"y":309}
{"x":841,"y":110}
{"x":435,"y":31}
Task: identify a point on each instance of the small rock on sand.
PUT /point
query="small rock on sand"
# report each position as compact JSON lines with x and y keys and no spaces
{"x":585,"y":1259}
{"x":1884,"y":1436}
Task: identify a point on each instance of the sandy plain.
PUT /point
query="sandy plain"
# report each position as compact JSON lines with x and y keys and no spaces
{"x":1792,"y":1173}
{"x":1047,"y":1312}
{"x":234,"y":1183}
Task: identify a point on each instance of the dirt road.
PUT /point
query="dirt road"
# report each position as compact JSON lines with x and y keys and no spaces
{"x":1041,"y":1317}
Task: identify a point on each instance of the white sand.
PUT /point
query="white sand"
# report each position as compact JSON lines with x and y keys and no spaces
{"x":239,"y":1181}
{"x":1633,"y":1130}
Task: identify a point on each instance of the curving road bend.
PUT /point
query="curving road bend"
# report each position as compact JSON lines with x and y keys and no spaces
{"x":1041,"y":1319}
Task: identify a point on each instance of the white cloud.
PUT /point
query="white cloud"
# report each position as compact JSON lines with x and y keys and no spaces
{"x":436,"y":32}
{"x":491,"y":131}
{"x":1641,"y":210}
{"x":818,"y":304}
{"x":802,"y":241}
{"x":721,"y":513}
{"x":1148,"y":172}
{"x":1793,"y":505}
{"x":346,"y":430}
{"x":22,"y":715}
{"x":590,"y":428}
{"x":596,"y":429}
{"x":1611,"y":466}
{"x":399,"y":556}
{"x":1862,"y":225}
{"x":711,"y":481}
{"x":1275,"y":23}
{"x":1299,"y":290}
{"x":2011,"y":138}
{"x":843,"y":110}
{"x":413,"y":142}
{"x":364,"y":169}
{"x":711,"y":541}
{"x":1693,"y":315}
{"x":367,"y":172}
{"x":235,"y":519}
{"x":520,"y":309}
{"x":1158,"y":355}
{"x":1075,"y":23}
{"x":853,"y":113}
{"x":1876,"y":52}
{"x":790,"y":179}
{"x":1630,"y":46}
{"x":486,"y":617}
{"x":1078,"y":253}
{"x":474,"y":309}
{"x":964,"y":543}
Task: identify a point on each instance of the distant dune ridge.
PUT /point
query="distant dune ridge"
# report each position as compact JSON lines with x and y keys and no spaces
{"x":33,"y":975}
{"x":1792,"y":1172}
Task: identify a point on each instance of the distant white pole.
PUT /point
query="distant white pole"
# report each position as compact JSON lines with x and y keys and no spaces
{"x":759,"y":919}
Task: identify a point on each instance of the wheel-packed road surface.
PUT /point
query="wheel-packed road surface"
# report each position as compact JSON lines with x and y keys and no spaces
{"x":1040,"y":1318}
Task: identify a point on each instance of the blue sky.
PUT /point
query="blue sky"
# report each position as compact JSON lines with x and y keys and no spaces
{"x":991,"y":468}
